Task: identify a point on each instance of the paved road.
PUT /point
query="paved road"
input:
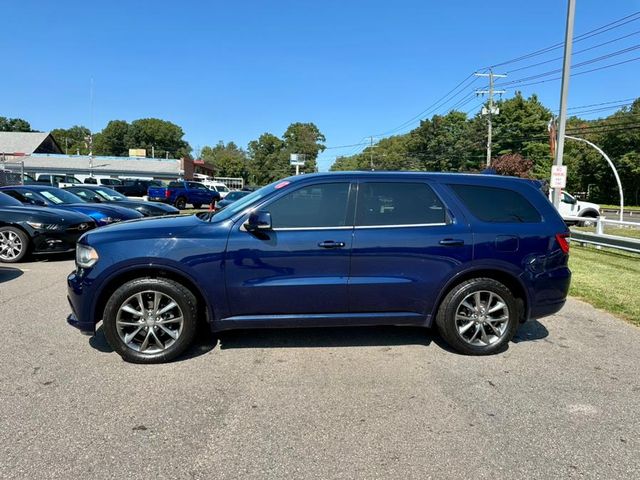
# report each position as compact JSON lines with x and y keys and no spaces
{"x":379,"y":403}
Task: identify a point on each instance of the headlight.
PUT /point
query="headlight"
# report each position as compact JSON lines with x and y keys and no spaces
{"x":43,"y":226}
{"x":86,"y":256}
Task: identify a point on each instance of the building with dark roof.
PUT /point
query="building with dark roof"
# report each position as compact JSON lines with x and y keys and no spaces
{"x":18,"y":144}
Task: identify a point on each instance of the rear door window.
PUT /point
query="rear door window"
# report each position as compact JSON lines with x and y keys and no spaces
{"x":398,"y":204}
{"x":497,"y":205}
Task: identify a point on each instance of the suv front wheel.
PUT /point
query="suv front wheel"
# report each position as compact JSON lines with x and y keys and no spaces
{"x":150,"y":320}
{"x":478,"y":317}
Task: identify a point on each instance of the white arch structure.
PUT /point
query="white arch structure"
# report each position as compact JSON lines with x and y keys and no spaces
{"x":613,"y":167}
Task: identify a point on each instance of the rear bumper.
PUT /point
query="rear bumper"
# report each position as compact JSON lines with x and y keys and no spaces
{"x":549,"y":292}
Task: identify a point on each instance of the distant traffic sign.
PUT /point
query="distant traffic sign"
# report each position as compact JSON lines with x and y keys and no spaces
{"x":558,"y":176}
{"x":297,"y":159}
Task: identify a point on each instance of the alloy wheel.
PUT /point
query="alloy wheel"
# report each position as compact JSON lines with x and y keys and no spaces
{"x":482,"y":318}
{"x":149,"y":322}
{"x":10,"y":245}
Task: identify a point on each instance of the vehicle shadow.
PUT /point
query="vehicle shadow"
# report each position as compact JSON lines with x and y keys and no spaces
{"x":326,"y":337}
{"x":7,"y":274}
{"x":530,"y":331}
{"x":205,"y":341}
{"x":51,"y":257}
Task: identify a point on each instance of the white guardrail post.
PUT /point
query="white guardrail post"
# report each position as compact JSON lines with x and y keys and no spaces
{"x":600,"y":225}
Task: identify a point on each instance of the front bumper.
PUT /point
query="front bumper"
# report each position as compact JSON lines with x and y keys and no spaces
{"x":52,"y":241}
{"x":80,"y":303}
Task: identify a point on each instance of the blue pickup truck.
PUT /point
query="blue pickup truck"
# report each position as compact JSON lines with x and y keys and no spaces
{"x":183,"y":192}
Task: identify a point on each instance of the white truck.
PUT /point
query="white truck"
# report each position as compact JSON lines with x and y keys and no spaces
{"x":570,"y":206}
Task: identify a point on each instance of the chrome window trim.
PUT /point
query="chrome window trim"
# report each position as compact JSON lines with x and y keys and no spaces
{"x":288,"y":229}
{"x":439,"y":224}
{"x":408,"y":225}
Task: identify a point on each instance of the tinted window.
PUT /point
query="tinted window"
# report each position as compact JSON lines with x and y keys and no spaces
{"x":398,"y":203}
{"x":197,"y":186}
{"x":491,"y":204}
{"x":90,"y":180}
{"x":175,"y":184}
{"x":323,"y":205}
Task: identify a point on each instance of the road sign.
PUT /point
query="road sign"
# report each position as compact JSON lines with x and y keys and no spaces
{"x":296,"y":159}
{"x":558,"y":176}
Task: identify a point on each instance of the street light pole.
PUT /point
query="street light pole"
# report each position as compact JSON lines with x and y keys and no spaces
{"x":564,"y":92}
{"x":613,"y":167}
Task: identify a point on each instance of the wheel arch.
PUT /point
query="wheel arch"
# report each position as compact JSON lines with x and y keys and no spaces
{"x":508,"y":279}
{"x":204,"y":309}
{"x":590,"y":213}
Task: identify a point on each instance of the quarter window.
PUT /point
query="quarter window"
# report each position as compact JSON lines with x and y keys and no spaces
{"x":398,"y":203}
{"x":322,"y":205}
{"x":497,"y":205}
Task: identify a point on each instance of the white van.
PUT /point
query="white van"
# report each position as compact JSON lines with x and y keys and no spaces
{"x":219,"y":187}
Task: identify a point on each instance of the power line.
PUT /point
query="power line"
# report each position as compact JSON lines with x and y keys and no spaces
{"x":430,"y":108}
{"x":574,"y":53}
{"x":577,"y":65}
{"x":597,"y":31}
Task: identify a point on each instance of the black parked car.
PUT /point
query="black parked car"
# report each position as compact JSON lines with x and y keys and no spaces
{"x":230,"y":198}
{"x":102,"y":194}
{"x":136,"y":188}
{"x":37,"y":230}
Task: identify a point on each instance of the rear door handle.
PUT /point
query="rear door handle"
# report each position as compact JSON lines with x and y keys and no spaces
{"x":452,"y":242}
{"x":331,"y":244}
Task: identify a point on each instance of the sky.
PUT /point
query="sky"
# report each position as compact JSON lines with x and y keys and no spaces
{"x":232,"y":70}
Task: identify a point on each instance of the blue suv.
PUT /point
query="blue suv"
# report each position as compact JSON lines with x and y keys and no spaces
{"x":475,"y":255}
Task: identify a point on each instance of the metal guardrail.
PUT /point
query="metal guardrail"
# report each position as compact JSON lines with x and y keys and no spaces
{"x":601,"y":239}
{"x":609,"y":241}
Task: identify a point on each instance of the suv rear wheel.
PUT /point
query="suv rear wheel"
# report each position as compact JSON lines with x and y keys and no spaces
{"x":150,"y":320}
{"x":478,"y":317}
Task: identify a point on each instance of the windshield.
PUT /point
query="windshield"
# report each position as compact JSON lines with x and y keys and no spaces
{"x":253,"y":197}
{"x":7,"y":201}
{"x":110,"y":194}
{"x":59,"y":197}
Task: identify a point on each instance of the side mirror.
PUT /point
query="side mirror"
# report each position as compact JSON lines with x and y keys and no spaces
{"x":258,"y":221}
{"x":96,"y":199}
{"x":38,"y":202}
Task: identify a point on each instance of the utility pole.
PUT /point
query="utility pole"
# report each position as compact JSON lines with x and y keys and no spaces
{"x":371,"y":154}
{"x":564,"y":92}
{"x":492,"y":110}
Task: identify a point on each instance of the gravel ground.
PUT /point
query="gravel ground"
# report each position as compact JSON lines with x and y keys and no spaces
{"x":374,"y":403}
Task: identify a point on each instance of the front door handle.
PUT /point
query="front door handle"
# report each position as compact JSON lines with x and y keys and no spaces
{"x":452,"y":242}
{"x":331,"y":244}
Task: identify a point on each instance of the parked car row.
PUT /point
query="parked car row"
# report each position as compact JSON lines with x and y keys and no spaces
{"x":39,"y":218}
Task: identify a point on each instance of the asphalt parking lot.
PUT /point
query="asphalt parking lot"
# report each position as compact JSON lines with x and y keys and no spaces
{"x":561,"y":402}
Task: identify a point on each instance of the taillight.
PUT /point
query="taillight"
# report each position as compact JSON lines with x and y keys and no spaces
{"x":563,"y":241}
{"x":167,"y":193}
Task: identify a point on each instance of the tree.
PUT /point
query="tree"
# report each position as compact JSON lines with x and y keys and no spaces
{"x":444,"y":143}
{"x":113,"y":139}
{"x":513,"y":164}
{"x":304,"y":138}
{"x":268,"y":160}
{"x":14,"y":125}
{"x":164,"y":137}
{"x":228,"y":160}
{"x":74,"y":140}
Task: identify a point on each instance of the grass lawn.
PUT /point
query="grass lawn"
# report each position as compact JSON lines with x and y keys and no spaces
{"x":607,"y":279}
{"x":619,"y":231}
{"x":630,"y":208}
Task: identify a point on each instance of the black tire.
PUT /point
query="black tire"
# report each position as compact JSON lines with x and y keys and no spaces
{"x":181,"y":203}
{"x":23,"y":241}
{"x":447,"y":323}
{"x":590,"y":220}
{"x":197,"y":205}
{"x":177,"y":292}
